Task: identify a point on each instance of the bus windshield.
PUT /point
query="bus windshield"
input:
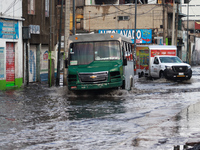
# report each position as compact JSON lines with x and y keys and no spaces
{"x":87,"y":52}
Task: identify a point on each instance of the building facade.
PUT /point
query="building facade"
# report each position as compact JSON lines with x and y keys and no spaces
{"x":191,"y":27}
{"x":37,"y":18}
{"x":11,"y":44}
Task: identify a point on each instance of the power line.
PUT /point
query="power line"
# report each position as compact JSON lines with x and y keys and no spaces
{"x":16,"y":10}
{"x":11,"y":5}
{"x":134,"y":14}
{"x":123,"y":12}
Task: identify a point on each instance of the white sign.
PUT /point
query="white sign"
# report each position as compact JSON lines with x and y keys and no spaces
{"x":34,"y":29}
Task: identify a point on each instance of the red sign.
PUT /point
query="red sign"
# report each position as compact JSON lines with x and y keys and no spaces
{"x":10,"y":62}
{"x":163,"y":52}
{"x":197,"y":25}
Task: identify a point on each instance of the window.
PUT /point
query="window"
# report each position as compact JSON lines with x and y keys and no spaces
{"x":107,"y":50}
{"x":31,"y":7}
{"x":170,"y":60}
{"x":156,"y":61}
{"x":46,"y":8}
{"x":60,"y":2}
{"x":120,"y":18}
{"x":83,"y":53}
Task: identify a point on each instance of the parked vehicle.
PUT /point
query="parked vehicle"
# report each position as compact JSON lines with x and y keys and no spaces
{"x":99,"y":61}
{"x":161,"y":61}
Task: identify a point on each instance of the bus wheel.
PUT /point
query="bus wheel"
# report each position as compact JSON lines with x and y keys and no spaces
{"x":123,"y":84}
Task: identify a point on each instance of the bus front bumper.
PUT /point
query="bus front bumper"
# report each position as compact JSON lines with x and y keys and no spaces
{"x":95,"y":86}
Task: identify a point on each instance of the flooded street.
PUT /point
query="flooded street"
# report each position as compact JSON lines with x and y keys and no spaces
{"x":156,"y":114}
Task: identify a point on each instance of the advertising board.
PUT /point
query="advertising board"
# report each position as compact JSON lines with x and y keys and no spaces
{"x":143,"y":36}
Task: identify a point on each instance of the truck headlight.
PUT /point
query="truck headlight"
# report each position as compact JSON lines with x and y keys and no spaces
{"x":168,"y":67}
{"x":189,"y":67}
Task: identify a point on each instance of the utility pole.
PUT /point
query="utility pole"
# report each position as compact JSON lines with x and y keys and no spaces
{"x":134,"y":52}
{"x":187,"y":34}
{"x":74,"y":16}
{"x":177,"y":19}
{"x":67,"y":28}
{"x":89,"y":21}
{"x":27,"y":69}
{"x":173,"y":22}
{"x":59,"y":47}
{"x":164,"y":36}
{"x":51,"y":44}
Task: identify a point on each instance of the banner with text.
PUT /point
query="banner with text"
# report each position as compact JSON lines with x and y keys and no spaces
{"x":142,"y":35}
{"x":9,"y":29}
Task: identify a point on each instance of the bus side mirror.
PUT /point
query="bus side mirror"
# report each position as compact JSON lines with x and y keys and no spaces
{"x":124,"y":61}
{"x":66,"y":63}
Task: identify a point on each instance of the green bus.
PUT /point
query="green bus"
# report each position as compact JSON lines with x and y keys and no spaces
{"x":99,"y":61}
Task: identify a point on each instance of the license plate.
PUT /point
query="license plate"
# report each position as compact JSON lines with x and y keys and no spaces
{"x":180,"y":75}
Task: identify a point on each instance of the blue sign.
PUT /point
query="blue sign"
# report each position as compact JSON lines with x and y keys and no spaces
{"x":142,"y":35}
{"x":9,"y":29}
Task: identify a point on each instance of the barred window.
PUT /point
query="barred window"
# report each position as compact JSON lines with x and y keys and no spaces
{"x":46,"y":8}
{"x":31,"y":7}
{"x":120,"y":18}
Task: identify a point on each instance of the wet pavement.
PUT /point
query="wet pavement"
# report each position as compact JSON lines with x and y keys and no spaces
{"x":155,"y":114}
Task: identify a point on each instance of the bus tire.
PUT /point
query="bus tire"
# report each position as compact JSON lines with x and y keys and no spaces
{"x":123,"y":84}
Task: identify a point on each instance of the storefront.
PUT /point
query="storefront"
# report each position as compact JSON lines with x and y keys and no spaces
{"x":11,"y":61}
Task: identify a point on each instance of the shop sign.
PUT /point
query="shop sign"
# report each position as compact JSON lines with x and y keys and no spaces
{"x":142,"y":35}
{"x":9,"y":29}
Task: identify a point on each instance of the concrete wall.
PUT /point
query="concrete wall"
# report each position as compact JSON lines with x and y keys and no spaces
{"x":106,"y":17}
{"x":194,"y":10}
{"x":8,"y":8}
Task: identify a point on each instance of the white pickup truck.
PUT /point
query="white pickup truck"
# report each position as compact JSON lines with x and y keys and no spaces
{"x":170,"y":67}
{"x":161,"y":61}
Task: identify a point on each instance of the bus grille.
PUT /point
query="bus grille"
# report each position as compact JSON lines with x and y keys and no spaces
{"x":180,"y":68}
{"x":93,"y":77}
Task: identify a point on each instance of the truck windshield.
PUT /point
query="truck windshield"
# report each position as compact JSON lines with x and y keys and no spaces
{"x":87,"y":52}
{"x":170,"y":60}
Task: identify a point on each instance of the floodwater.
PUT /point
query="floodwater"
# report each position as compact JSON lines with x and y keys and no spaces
{"x":155,"y":114}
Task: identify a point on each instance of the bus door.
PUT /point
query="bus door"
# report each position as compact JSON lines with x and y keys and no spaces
{"x":129,"y":68}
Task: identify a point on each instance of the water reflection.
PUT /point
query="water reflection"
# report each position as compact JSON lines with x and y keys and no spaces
{"x":187,"y":124}
{"x":39,"y":117}
{"x":37,"y":104}
{"x":84,"y":108}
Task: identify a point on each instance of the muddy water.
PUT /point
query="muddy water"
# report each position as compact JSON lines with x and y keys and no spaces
{"x":38,"y":117}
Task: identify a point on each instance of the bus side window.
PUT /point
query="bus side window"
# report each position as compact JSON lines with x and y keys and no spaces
{"x":71,"y":52}
{"x":124,"y":55}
